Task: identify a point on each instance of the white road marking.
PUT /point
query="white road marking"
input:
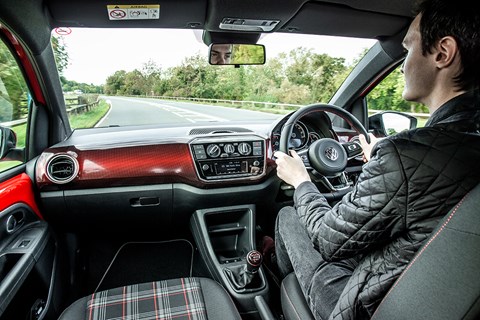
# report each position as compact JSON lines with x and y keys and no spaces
{"x":188,"y":115}
{"x":106,"y":115}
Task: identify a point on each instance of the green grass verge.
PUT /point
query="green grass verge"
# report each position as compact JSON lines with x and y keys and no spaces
{"x":86,"y":120}
{"x":21,"y":132}
{"x":421,"y":122}
{"x":4,"y":165}
{"x":90,"y":118}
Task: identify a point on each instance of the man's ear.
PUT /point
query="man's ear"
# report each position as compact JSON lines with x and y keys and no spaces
{"x":447,"y":51}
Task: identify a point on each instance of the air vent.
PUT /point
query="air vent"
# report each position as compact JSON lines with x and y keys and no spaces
{"x":218,"y":130}
{"x":62,"y":168}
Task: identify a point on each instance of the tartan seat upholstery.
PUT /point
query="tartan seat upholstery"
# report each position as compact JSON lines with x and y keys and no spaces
{"x":182,"y":298}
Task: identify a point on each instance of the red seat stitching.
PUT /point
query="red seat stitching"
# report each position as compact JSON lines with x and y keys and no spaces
{"x":422,"y":250}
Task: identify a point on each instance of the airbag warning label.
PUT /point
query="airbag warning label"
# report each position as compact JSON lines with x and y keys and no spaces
{"x":133,"y":12}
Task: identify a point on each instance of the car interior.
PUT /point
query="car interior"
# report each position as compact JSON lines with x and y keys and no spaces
{"x":185,"y":212}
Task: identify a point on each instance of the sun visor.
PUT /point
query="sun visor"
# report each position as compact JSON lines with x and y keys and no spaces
{"x":336,"y":20}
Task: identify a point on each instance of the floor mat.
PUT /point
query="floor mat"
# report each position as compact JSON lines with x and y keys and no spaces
{"x":137,"y":262}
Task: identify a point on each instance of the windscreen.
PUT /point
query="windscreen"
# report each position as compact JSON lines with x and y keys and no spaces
{"x":124,"y":77}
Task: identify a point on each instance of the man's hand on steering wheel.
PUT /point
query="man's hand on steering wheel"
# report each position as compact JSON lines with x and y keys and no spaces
{"x":291,"y":169}
{"x":326,"y":158}
{"x":367,"y":147}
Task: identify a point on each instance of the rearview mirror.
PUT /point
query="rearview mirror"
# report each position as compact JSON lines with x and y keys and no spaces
{"x":236,"y":54}
{"x":388,"y":123}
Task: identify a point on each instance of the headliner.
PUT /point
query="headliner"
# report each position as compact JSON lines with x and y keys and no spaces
{"x":33,"y":20}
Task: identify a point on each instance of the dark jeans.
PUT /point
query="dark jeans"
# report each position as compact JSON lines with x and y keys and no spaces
{"x":322,"y":282}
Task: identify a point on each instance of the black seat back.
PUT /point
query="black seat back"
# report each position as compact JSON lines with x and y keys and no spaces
{"x":443,"y":280}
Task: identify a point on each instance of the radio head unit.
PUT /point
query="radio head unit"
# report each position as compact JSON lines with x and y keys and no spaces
{"x":228,"y":158}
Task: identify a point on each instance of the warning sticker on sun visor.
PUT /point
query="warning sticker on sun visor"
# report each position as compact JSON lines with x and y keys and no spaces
{"x":133,"y":12}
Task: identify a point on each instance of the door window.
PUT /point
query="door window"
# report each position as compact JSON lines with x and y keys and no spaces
{"x":387,"y":96}
{"x":14,"y":107}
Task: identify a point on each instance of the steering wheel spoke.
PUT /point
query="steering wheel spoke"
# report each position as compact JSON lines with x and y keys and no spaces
{"x":306,"y":161}
{"x":339,"y":183}
{"x":353,"y":149}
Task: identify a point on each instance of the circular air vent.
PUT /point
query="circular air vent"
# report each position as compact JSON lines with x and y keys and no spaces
{"x":62,"y":168}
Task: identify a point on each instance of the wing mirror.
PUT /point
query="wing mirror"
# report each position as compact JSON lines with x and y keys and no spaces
{"x":388,"y":123}
{"x":236,"y":54}
{"x":8,"y":141}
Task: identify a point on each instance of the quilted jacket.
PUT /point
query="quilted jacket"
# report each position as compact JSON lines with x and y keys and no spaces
{"x":411,"y":181}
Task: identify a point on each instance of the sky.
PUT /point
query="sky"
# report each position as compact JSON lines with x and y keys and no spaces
{"x":95,"y":54}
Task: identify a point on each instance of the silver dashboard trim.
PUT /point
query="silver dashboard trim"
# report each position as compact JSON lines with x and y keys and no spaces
{"x":230,"y":138}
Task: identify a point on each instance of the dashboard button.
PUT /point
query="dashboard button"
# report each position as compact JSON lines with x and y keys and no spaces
{"x":229,"y":148}
{"x":213,"y":150}
{"x":244,"y":148}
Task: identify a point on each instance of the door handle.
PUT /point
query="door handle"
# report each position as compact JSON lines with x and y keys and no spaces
{"x":145,"y":202}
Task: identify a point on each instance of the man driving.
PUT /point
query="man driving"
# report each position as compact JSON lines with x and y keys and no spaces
{"x":347,"y":256}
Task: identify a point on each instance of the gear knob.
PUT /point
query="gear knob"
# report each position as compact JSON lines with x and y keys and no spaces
{"x":254,"y":261}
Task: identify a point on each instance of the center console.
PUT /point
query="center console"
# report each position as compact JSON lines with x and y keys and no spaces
{"x":229,"y":157}
{"x":225,"y":237}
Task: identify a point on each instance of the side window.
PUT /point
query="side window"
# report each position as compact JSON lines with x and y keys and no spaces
{"x":387,"y":96}
{"x":14,"y":102}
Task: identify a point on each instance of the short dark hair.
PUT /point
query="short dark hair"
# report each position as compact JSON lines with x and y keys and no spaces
{"x":459,"y":19}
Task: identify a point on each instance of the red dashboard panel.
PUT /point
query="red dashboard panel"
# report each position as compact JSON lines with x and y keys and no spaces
{"x":131,"y":166}
{"x":136,"y":165}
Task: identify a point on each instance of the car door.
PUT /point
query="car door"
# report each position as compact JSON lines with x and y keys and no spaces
{"x":27,"y":245}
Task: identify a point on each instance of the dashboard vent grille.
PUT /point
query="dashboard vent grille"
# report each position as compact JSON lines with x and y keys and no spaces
{"x":62,"y":169}
{"x":218,"y":130}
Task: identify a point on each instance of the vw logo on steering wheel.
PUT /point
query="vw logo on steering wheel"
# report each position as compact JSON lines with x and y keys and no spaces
{"x":331,"y":153}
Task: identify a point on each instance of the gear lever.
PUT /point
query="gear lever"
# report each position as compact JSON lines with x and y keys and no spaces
{"x":254,"y":261}
{"x":245,"y":276}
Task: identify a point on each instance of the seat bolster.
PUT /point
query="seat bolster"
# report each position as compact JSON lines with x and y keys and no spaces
{"x":76,"y":311}
{"x":294,"y":305}
{"x":218,"y":303}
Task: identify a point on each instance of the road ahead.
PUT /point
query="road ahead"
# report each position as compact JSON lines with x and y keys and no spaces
{"x":142,"y":111}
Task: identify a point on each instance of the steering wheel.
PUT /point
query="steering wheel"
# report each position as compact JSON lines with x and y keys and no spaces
{"x":326,"y":156}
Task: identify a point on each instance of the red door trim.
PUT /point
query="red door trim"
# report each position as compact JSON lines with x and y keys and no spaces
{"x":18,"y":189}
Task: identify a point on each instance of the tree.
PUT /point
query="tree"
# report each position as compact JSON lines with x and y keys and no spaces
{"x":71,"y":85}
{"x":60,"y":53}
{"x":247,"y":53}
{"x":152,"y":74}
{"x":262,"y":82}
{"x":13,"y":89}
{"x":115,"y":83}
{"x":135,"y":83}
{"x":298,"y":77}
{"x":387,"y":95}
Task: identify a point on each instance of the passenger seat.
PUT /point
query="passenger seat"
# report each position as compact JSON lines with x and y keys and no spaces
{"x":182,"y":298}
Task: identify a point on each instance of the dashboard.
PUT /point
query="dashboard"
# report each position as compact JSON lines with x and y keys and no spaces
{"x":205,"y":157}
{"x":160,"y":175}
